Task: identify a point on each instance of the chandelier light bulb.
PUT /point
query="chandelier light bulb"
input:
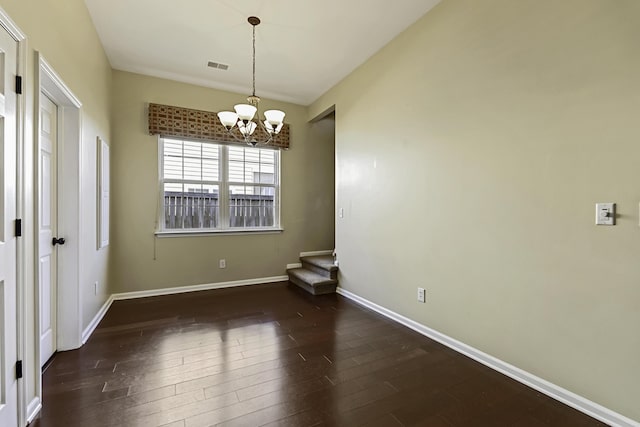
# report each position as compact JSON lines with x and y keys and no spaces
{"x":271,"y":129}
{"x":247,"y":129}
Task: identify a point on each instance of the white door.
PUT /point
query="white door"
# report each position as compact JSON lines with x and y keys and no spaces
{"x":47,"y":211}
{"x":8,"y":248}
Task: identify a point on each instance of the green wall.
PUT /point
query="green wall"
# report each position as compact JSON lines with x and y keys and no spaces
{"x":471,"y":151}
{"x":143,"y":262}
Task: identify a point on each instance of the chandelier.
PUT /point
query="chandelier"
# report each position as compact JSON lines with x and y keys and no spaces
{"x":243,"y":117}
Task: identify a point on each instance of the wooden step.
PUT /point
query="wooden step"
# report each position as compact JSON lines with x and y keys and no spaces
{"x":311,"y":281}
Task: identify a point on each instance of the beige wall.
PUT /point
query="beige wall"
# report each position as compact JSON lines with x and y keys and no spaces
{"x":307,"y":196}
{"x":64,"y":35}
{"x":509,"y":121}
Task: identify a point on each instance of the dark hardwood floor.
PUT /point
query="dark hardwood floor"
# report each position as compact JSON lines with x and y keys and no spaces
{"x":273,"y":355}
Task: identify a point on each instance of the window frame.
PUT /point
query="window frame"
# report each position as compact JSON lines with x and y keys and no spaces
{"x":223,"y":184}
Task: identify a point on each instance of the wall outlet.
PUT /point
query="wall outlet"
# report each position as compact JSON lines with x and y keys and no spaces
{"x":95,"y":288}
{"x":422,"y":295}
{"x":222,"y":263}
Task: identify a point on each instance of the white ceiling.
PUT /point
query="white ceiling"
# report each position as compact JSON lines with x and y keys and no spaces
{"x":303,"y":47}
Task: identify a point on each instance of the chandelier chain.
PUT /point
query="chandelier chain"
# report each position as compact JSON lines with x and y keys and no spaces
{"x":254,"y":60}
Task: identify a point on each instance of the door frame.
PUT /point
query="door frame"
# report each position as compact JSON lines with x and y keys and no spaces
{"x":69,"y":159}
{"x":21,"y":271}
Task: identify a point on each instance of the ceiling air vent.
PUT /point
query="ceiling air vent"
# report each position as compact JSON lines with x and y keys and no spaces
{"x":218,"y":65}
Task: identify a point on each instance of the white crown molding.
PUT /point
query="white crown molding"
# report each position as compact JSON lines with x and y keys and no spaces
{"x":565,"y":396}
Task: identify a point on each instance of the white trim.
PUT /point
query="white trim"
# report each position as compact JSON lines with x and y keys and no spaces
{"x":102,"y":193}
{"x":195,"y":288}
{"x":69,"y":313}
{"x":7,"y":23}
{"x":565,"y":396}
{"x":86,"y":334}
{"x":224,"y":183}
{"x":64,"y":91}
{"x":21,"y":202}
{"x":296,"y":265}
{"x":316,"y":253}
{"x":33,"y":408}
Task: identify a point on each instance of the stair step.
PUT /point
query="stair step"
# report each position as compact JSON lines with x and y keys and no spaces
{"x":330,"y":274}
{"x":311,"y":281}
{"x":320,"y":263}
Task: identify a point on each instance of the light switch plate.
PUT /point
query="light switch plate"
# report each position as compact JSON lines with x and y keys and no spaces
{"x":605,"y":214}
{"x":422,"y":296}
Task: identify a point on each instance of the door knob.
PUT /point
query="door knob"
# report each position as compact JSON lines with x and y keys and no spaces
{"x":57,"y":241}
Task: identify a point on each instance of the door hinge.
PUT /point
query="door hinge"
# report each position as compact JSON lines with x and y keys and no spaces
{"x":19,"y":369}
{"x":18,"y":227}
{"x":19,"y":85}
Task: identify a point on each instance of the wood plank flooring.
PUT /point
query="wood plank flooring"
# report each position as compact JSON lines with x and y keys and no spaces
{"x":273,"y":355}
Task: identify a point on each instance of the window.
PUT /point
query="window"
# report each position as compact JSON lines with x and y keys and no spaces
{"x":213,"y":187}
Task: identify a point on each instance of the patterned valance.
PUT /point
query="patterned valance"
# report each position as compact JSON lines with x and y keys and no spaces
{"x":178,"y":122}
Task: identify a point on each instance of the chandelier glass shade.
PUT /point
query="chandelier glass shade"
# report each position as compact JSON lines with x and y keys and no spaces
{"x":243,"y":115}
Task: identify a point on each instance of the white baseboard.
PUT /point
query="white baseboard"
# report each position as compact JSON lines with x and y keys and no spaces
{"x":33,"y":408}
{"x":296,"y":265}
{"x":86,"y":334}
{"x":316,"y":253}
{"x":567,"y":397}
{"x":194,"y":288}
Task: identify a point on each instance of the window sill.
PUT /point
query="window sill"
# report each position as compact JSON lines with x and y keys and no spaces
{"x":204,"y":233}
